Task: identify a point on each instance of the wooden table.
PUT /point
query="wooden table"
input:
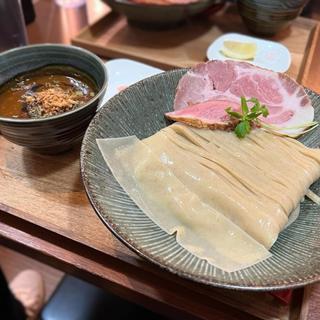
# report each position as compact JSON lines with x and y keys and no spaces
{"x":44,"y":213}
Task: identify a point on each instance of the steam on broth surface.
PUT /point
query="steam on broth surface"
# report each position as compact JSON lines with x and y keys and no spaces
{"x":46,"y":92}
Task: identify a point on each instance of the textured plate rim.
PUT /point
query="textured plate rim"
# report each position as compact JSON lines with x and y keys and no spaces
{"x":142,"y":253}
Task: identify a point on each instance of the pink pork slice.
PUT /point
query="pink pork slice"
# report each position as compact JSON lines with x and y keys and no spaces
{"x":210,"y":114}
{"x":228,"y":80}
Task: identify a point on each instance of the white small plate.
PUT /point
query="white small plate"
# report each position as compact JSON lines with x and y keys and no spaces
{"x":270,"y":55}
{"x":125,"y":72}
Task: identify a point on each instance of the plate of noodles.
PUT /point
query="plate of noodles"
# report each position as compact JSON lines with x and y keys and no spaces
{"x":209,"y":176}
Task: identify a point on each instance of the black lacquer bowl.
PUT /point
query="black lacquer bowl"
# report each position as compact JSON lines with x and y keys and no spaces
{"x":58,"y":133}
{"x":159,"y":16}
{"x":267,"y":17}
{"x":139,"y":110}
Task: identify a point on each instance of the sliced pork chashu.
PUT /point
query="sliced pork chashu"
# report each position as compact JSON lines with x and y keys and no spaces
{"x":220,"y":84}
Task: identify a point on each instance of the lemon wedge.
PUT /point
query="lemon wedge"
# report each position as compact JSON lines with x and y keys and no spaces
{"x":239,"y":50}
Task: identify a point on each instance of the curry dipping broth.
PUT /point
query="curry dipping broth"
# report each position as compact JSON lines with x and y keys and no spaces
{"x":46,"y":92}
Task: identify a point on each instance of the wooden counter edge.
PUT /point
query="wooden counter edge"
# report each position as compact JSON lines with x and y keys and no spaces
{"x":128,"y":282}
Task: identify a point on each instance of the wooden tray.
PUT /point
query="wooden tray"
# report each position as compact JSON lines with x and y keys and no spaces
{"x":186,"y":45}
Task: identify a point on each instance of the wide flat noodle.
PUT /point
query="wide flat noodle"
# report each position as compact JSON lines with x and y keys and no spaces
{"x":250,"y":192}
{"x":199,"y":228}
{"x":278,"y":170}
{"x":213,"y":189}
{"x":246,"y":173}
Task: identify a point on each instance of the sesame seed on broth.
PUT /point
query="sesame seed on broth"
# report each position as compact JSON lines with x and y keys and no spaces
{"x":46,"y":92}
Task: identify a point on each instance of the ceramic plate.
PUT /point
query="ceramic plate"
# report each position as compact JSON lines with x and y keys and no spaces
{"x":139,"y":110}
{"x":270,"y":55}
{"x":125,"y":72}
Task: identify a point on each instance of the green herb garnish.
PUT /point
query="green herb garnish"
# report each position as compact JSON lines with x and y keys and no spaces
{"x":248,"y":117}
